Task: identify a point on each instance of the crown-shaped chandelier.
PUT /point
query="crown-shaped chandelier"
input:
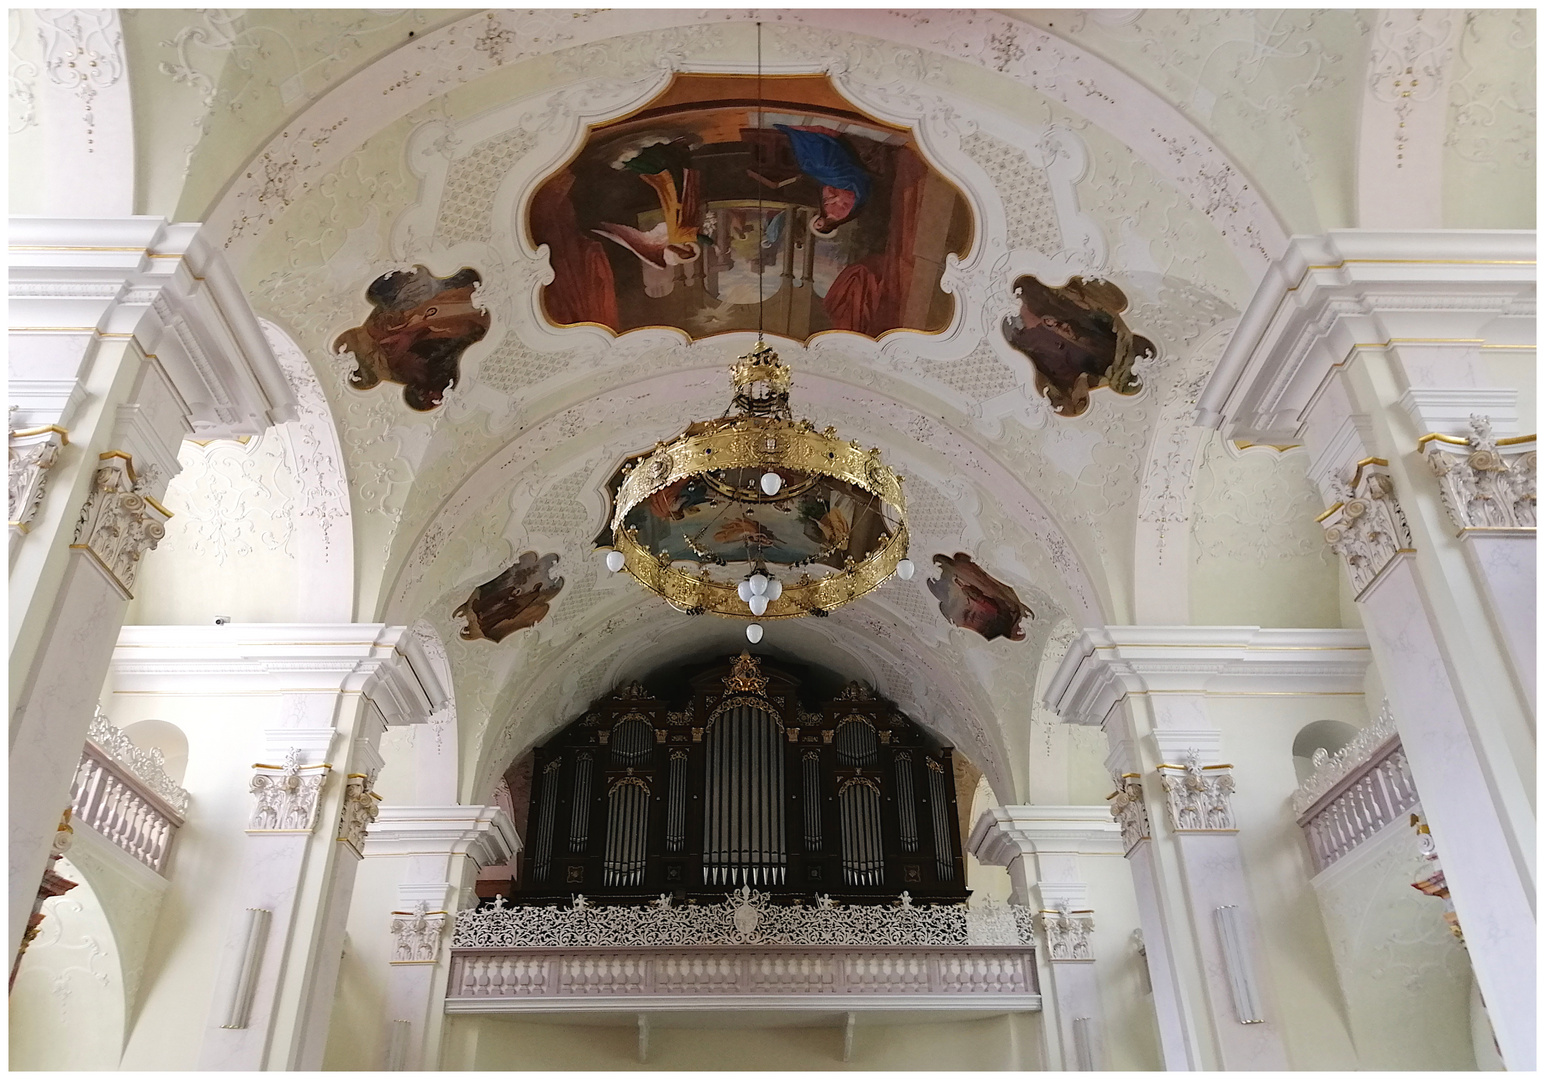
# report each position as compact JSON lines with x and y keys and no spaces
{"x":756,"y":515}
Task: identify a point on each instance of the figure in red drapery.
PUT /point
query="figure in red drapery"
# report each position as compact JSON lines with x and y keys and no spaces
{"x":867,"y":295}
{"x":582,"y":288}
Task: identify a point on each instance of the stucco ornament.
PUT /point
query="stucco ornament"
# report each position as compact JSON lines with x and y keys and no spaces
{"x":1199,"y":796}
{"x":32,"y":454}
{"x":1366,"y":526}
{"x":1483,"y":485}
{"x":417,"y":935}
{"x":1067,"y":933}
{"x":148,"y":766}
{"x":1129,"y":810}
{"x":120,"y":522}
{"x":359,"y":810}
{"x":287,"y":795}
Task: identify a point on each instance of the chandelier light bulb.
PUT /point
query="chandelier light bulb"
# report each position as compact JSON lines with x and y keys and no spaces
{"x":905,"y":569}
{"x":758,"y":583}
{"x":774,"y":589}
{"x":758,"y":605}
{"x":772,"y":483}
{"x":614,"y":561}
{"x":754,"y":633}
{"x":744,"y":591}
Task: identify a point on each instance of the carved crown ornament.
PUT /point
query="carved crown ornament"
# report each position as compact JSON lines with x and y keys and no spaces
{"x":120,"y":521}
{"x":1198,"y":797}
{"x":1485,"y":482}
{"x":1366,"y":526}
{"x":287,"y":795}
{"x":33,"y":452}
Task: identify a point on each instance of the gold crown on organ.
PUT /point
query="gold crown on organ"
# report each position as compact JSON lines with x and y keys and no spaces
{"x":800,"y":521}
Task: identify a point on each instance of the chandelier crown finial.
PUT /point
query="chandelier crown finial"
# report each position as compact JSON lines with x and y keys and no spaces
{"x":762,"y":381}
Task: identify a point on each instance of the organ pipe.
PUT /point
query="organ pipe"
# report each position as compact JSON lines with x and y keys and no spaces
{"x":627,"y":832}
{"x":744,"y":800}
{"x":579,"y":808}
{"x":632,"y":742}
{"x":856,"y":744}
{"x":542,"y":845}
{"x":906,"y":801}
{"x":863,"y":849}
{"x":812,"y":797}
{"x":943,"y":845}
{"x":676,"y":807}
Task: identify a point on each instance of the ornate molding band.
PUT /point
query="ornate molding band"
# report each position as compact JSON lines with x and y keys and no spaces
{"x":1199,"y":796}
{"x":120,"y":521}
{"x":1067,"y":933}
{"x":286,"y":802}
{"x":1129,"y":810}
{"x":1366,"y":526}
{"x":32,"y":453}
{"x":1486,"y":482}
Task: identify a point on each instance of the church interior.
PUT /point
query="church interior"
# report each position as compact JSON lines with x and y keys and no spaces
{"x":802,"y":539}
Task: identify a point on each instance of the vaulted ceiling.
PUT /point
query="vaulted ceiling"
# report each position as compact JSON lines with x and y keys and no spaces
{"x":1169,"y":152}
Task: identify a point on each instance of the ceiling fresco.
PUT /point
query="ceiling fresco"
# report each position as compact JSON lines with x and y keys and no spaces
{"x":1006,"y":250}
{"x":741,"y":203}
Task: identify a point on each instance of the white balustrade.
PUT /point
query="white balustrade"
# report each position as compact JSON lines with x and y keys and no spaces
{"x":1367,"y":797}
{"x":138,"y":813}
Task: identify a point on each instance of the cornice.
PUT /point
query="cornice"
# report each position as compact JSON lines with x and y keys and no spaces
{"x":1106,"y":664}
{"x":484,"y":833}
{"x":1328,"y":296}
{"x":1005,"y":833}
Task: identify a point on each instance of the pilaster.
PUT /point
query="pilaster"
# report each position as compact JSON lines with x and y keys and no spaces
{"x":1370,"y":349}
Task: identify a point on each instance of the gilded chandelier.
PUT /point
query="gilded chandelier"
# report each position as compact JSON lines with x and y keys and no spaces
{"x":755,"y":515}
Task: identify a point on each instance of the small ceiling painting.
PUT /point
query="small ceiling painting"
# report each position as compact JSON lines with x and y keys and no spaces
{"x":519,"y":597}
{"x":416,"y":333}
{"x":1077,"y":340}
{"x":689,"y":211}
{"x":971,"y":597}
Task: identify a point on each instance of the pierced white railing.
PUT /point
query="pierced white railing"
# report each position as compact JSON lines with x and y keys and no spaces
{"x":668,"y":956}
{"x":123,"y":792}
{"x":1355,"y":792}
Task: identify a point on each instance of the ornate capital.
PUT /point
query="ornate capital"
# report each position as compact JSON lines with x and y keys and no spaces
{"x":1486,"y":483}
{"x":1129,"y":810}
{"x":1067,"y":933}
{"x":417,"y":935}
{"x":120,"y":521}
{"x":287,"y":795}
{"x":32,"y":453}
{"x":1366,"y":526}
{"x":359,"y":810}
{"x":1199,"y":796}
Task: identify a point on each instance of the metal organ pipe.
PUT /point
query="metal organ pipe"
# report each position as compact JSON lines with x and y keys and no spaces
{"x":676,"y":807}
{"x":627,"y":829}
{"x":906,"y":801}
{"x":743,"y":815}
{"x":632,"y":742}
{"x":812,"y":797}
{"x":579,"y":807}
{"x":542,"y":846}
{"x":863,"y":848}
{"x":943,"y":844}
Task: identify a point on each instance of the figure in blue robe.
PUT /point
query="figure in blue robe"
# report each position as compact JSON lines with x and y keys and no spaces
{"x":824,"y":158}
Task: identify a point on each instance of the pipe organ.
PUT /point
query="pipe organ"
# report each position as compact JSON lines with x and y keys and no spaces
{"x":731,"y":780}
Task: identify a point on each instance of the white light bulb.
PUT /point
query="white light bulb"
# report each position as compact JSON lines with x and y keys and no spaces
{"x":758,"y":605}
{"x":754,"y":633}
{"x":614,"y":561}
{"x":758,"y":583}
{"x":905,"y":569}
{"x":772,"y":483}
{"x":774,"y":589}
{"x":743,"y":590}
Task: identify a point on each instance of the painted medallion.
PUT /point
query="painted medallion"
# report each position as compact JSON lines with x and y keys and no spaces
{"x":1076,"y":338}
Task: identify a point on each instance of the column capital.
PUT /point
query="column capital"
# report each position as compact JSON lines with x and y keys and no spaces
{"x":1105,"y":665}
{"x":1329,"y":295}
{"x":160,"y":283}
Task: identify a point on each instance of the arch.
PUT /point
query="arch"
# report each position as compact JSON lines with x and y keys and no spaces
{"x":1326,"y":735}
{"x":166,"y":737}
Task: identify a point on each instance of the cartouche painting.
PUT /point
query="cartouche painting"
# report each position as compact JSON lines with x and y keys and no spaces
{"x":1075,"y":337}
{"x":418,"y":328}
{"x":689,"y":211}
{"x":517,"y":598}
{"x":972,"y":598}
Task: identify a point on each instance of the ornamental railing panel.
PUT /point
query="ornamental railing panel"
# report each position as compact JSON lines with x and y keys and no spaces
{"x":1354,"y":793}
{"x":122,"y":792}
{"x":668,"y":955}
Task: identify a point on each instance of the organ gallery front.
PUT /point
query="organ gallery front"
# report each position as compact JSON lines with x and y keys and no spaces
{"x":731,"y":777}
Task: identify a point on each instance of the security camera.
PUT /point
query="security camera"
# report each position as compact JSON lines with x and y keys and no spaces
{"x":221,"y":620}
